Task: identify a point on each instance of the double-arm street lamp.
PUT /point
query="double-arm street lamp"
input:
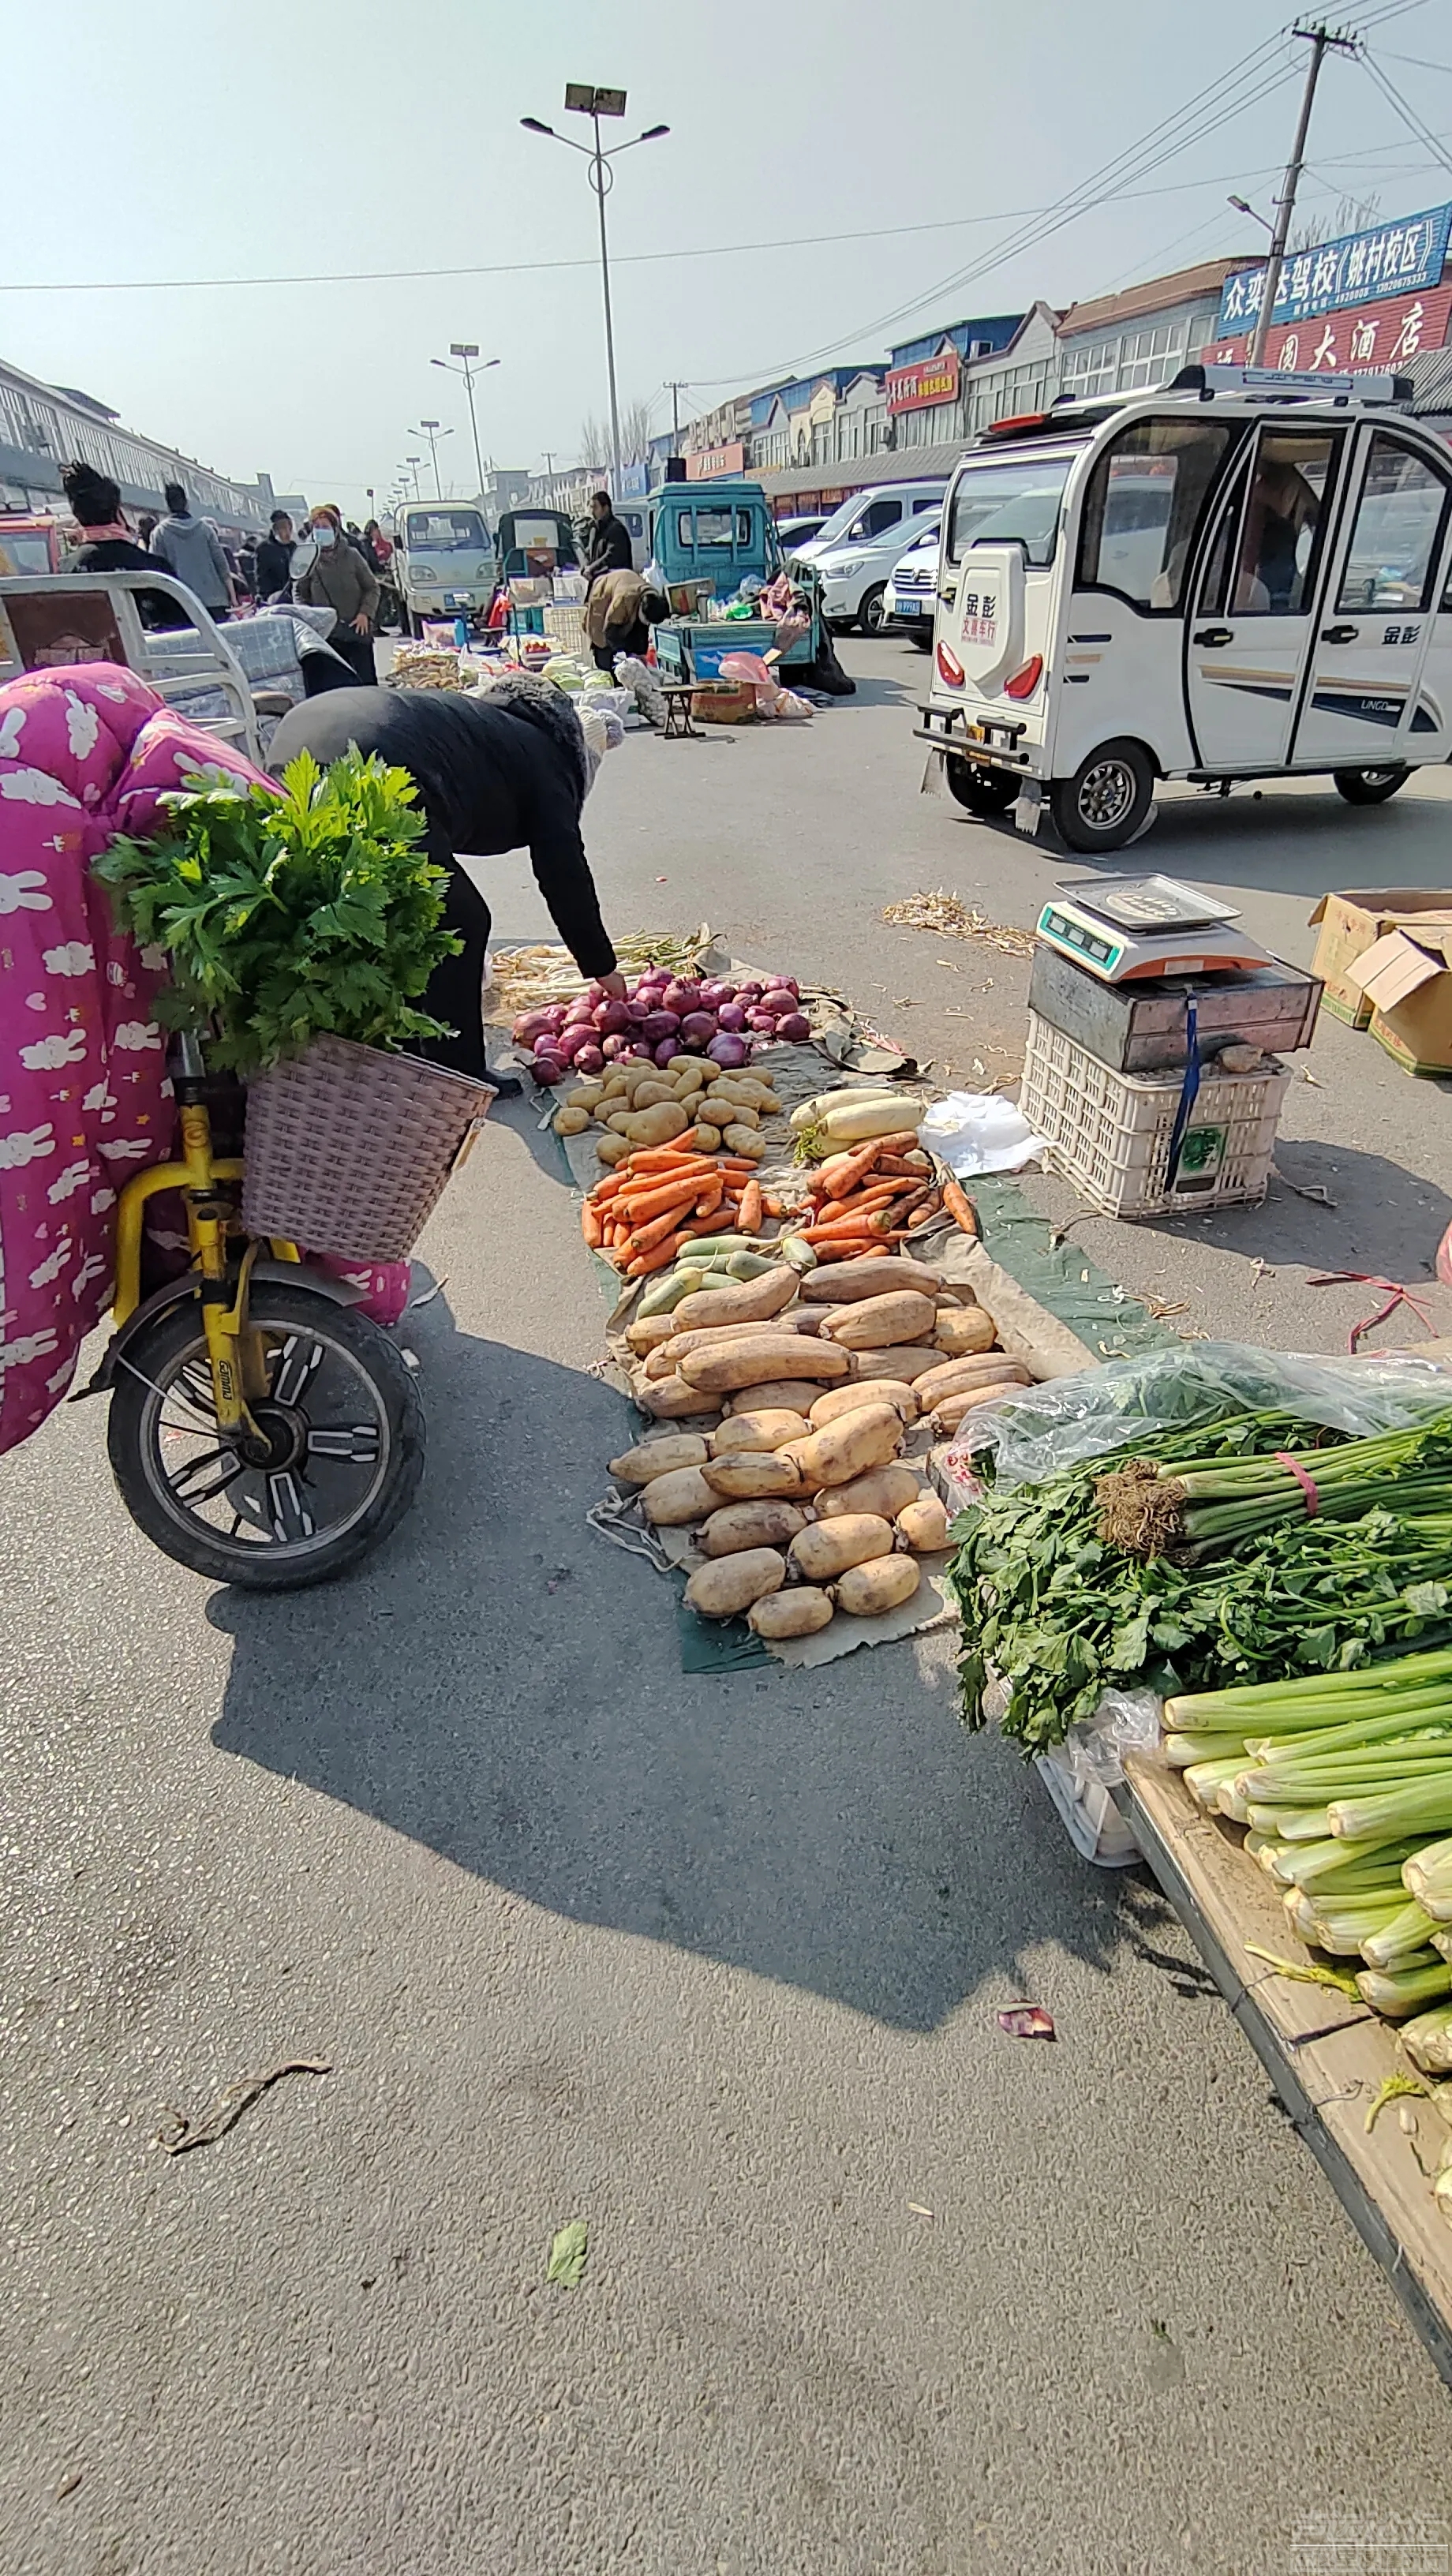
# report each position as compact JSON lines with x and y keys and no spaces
{"x":468,"y":351}
{"x":582,"y":99}
{"x":433,"y":431}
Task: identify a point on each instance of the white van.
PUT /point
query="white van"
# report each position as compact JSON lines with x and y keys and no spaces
{"x":443,"y":562}
{"x":855,"y":552}
{"x":1245,"y":575}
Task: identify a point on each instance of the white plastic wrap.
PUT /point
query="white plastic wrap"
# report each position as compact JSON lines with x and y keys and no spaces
{"x":1048,"y":1428}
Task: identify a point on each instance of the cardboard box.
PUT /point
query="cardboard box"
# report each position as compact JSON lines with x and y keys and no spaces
{"x":1407,"y":983}
{"x":1352,"y":922}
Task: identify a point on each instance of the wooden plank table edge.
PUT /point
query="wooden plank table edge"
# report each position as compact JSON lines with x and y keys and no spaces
{"x":1326,"y":2082}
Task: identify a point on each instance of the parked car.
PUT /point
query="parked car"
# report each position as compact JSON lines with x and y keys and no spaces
{"x":793,"y":534}
{"x":911,"y":595}
{"x":856,"y":550}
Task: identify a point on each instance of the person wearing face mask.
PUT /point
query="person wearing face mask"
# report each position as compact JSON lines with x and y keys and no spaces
{"x":343,"y":580}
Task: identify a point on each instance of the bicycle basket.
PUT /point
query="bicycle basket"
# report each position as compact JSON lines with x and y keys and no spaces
{"x":348,"y":1149}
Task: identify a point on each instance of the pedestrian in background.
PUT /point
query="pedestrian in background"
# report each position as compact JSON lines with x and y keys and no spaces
{"x":144,"y":526}
{"x":190,"y":550}
{"x":274,"y":558}
{"x":107,"y":544}
{"x":608,"y":544}
{"x":343,"y":580}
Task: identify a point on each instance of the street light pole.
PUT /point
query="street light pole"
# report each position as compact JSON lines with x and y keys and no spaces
{"x":468,"y":350}
{"x":582,"y":98}
{"x":433,"y":431}
{"x":1322,"y":42}
{"x":413,"y":463}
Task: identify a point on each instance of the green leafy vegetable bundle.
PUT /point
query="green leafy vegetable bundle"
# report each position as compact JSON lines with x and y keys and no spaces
{"x":287,"y":916}
{"x":1062,"y":1614}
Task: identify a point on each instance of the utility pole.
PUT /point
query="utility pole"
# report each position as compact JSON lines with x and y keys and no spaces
{"x":675,"y":389}
{"x":1322,"y":42}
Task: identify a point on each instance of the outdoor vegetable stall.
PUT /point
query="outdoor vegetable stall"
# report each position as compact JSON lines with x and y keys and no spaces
{"x":1205,"y":1586}
{"x":1221,"y":1581}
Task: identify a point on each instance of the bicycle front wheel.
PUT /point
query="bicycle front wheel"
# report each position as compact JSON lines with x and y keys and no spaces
{"x":344,"y":1435}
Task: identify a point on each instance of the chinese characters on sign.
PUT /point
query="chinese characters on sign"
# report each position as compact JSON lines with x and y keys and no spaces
{"x":709,"y":464}
{"x":1395,"y":259}
{"x":1379,"y":337}
{"x":980,"y":617}
{"x":928,"y":381}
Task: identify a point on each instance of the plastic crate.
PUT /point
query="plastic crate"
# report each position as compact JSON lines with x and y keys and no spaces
{"x":1109,"y":1133}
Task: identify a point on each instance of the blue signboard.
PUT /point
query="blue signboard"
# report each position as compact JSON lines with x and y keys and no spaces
{"x":1392,"y":259}
{"x":634,"y":482}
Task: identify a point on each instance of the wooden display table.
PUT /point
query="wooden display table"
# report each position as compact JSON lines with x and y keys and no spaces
{"x":1326,"y":2081}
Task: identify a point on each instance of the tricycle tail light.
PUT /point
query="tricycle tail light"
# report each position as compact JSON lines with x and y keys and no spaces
{"x":949,"y":667}
{"x":1024,"y":682}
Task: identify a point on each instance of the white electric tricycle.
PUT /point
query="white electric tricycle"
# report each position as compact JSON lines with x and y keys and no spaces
{"x":1246,"y":575}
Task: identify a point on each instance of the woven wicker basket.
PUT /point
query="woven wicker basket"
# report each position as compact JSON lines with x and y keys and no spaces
{"x":348,"y":1149}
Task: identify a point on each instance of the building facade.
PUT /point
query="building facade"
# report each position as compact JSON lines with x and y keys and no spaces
{"x":1129,"y":343}
{"x":43,"y":427}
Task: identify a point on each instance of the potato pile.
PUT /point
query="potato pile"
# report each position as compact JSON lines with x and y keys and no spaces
{"x":797,"y":1496}
{"x":690,"y":1102}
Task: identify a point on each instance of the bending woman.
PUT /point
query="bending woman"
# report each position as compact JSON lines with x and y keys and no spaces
{"x":505,"y":770}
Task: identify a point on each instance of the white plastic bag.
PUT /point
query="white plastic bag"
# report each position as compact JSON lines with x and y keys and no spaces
{"x":979,"y":1131}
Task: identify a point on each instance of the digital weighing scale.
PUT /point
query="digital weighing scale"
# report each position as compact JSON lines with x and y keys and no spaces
{"x":1130,"y":929}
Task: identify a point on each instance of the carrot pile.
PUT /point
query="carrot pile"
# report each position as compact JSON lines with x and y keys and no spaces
{"x":871,"y":1197}
{"x":645,"y":1211}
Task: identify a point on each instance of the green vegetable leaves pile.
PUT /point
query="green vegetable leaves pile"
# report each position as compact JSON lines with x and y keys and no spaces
{"x":1063,"y":1617}
{"x":288,"y":916}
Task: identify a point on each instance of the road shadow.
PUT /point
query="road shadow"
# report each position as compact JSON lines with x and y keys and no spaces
{"x":1382,"y":1220}
{"x":505,"y":1688}
{"x":1293,"y":841}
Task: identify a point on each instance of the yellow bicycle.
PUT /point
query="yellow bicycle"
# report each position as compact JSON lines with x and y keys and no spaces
{"x":262,"y":1431}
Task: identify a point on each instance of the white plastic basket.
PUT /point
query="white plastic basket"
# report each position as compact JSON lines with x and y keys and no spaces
{"x":1109,"y":1133}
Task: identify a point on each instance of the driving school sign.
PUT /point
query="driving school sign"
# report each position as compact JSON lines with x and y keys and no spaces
{"x":1404,"y":258}
{"x":927,"y":381}
{"x":1370,"y":337}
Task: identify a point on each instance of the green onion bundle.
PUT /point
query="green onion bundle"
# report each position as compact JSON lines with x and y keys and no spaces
{"x":1193,"y":1509}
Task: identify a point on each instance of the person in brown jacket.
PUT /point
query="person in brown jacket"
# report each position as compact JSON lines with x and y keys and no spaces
{"x":619,"y":612}
{"x":343,"y":580}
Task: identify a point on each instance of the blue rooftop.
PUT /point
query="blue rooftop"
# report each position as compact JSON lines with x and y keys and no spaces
{"x":998,"y":330}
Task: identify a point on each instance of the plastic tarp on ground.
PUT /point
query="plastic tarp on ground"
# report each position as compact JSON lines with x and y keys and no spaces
{"x":1056,"y":1426}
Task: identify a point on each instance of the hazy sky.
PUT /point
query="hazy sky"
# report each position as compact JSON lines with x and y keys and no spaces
{"x":226,"y":141}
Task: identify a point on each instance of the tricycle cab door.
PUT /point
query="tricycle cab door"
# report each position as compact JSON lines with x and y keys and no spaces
{"x":1137,"y":536}
{"x":1378,"y":689}
{"x":1256,"y":602}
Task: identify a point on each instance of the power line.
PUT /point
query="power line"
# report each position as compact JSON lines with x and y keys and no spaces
{"x":1408,"y":115}
{"x":1214,"y":106}
{"x":625,"y":259}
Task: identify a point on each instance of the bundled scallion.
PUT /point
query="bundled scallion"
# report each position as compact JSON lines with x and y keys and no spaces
{"x":1191,"y":1509}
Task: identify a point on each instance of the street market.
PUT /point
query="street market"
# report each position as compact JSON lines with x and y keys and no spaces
{"x":726,"y":1412}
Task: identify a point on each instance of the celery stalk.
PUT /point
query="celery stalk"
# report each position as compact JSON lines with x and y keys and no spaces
{"x":1181,"y":1751}
{"x":1425,"y":1806}
{"x":1316,"y":1863}
{"x":1410,"y":1929}
{"x":1256,"y":1699}
{"x":1404,"y":1989}
{"x":1428,"y":2041}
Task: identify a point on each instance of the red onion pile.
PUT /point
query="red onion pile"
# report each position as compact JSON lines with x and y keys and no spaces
{"x":663,"y":1016}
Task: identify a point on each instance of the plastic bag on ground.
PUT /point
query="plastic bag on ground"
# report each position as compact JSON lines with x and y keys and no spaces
{"x":1060,"y":1424}
{"x":979,"y":1131}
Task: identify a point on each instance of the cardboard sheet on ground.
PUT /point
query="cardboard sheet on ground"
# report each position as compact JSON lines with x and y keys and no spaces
{"x":676,"y":1549}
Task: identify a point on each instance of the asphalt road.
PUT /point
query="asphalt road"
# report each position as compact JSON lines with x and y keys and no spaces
{"x":709,"y":1963}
